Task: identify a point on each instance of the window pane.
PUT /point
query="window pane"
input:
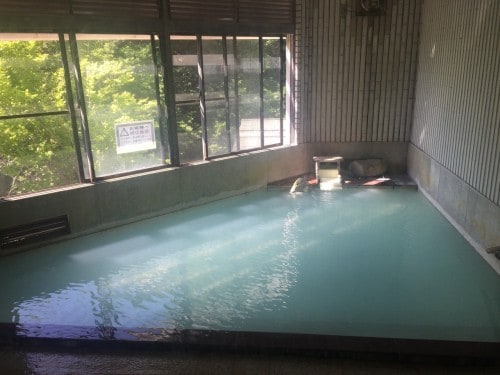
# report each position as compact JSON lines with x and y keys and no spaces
{"x":249,"y":92}
{"x":118,"y":76}
{"x":31,"y":76}
{"x":186,"y":81}
{"x":233,"y":89}
{"x":189,"y":135}
{"x":215,"y":98}
{"x":37,"y":150}
{"x":231,"y":100}
{"x":271,"y":78}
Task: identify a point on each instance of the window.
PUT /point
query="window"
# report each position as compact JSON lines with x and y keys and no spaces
{"x":273,"y":78}
{"x":249,"y":89}
{"x":215,"y":109}
{"x":187,"y":100}
{"x":229,"y":94}
{"x":81,"y":107}
{"x":36,"y":136}
{"x":121,"y":95}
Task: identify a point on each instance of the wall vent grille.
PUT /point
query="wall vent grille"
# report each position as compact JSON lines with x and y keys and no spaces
{"x":38,"y":231}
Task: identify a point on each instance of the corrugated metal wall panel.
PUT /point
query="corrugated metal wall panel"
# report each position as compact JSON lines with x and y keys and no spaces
{"x":143,"y":8}
{"x":457,"y":110}
{"x":31,"y":6}
{"x":199,"y":10}
{"x":358,"y":74}
{"x":276,"y":11}
{"x":240,"y":11}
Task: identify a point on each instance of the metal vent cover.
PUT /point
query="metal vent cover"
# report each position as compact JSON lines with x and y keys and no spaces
{"x":37,"y":231}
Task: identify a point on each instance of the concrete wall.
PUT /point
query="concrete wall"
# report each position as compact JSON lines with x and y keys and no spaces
{"x":474,"y":215}
{"x":454,"y":153}
{"x":92,"y":207}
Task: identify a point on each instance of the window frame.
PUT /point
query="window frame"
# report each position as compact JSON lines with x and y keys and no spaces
{"x":161,"y":57}
{"x":70,"y":109}
{"x":203,"y":100}
{"x":91,"y":175}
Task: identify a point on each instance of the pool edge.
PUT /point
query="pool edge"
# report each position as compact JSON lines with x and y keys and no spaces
{"x":98,"y":338}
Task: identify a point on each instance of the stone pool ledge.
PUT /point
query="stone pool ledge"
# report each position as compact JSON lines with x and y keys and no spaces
{"x":19,"y":336}
{"x":391,"y":181}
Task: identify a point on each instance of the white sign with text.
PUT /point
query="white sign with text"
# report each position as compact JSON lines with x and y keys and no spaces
{"x":135,"y":136}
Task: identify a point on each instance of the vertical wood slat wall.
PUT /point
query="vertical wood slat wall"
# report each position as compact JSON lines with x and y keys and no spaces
{"x":357,"y":73}
{"x":457,"y":108}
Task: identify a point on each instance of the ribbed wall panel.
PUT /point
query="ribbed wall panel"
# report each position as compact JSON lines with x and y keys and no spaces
{"x":277,"y":11}
{"x":31,"y":6}
{"x":143,"y":8}
{"x":245,"y":11}
{"x":457,"y":108}
{"x":199,"y":10}
{"x":358,"y":71}
{"x":297,"y":71}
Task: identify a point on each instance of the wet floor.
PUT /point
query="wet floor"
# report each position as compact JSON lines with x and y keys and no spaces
{"x":125,"y":362}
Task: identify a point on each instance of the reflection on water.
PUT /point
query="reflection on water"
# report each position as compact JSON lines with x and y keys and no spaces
{"x":173,"y":275}
{"x":358,"y":262}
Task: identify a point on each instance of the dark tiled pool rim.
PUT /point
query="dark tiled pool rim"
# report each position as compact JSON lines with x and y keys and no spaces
{"x":94,"y":338}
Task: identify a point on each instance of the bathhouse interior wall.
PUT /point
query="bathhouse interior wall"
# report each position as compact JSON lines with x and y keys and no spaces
{"x":104,"y":204}
{"x":421,"y":72}
{"x":455,"y":144}
{"x":416,"y":84}
{"x":92,"y":207}
{"x":356,"y":73}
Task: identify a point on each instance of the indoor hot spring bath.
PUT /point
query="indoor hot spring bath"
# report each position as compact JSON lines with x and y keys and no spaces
{"x":378,"y":270}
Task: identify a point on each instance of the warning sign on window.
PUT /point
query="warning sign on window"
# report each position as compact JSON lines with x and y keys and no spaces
{"x":135,"y":136}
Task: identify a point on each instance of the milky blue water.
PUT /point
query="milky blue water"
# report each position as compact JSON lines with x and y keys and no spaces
{"x":379,"y":263}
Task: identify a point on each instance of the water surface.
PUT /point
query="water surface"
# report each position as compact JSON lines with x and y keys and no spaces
{"x":378,"y":263}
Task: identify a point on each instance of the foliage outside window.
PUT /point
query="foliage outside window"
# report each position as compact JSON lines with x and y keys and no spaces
{"x":229,"y":94}
{"x":70,"y":103}
{"x":187,"y":107}
{"x":273,"y":91}
{"x":36,"y":138}
{"x":118,"y":76}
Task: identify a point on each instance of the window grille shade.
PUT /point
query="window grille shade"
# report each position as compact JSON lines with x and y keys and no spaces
{"x":34,"y":6}
{"x":277,"y":11}
{"x":242,"y":17}
{"x":222,"y":10}
{"x":257,"y":12}
{"x":143,"y":8}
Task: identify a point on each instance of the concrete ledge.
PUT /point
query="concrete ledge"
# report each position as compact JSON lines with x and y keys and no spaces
{"x":394,"y":153}
{"x":473,"y":215}
{"x":110,"y":338}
